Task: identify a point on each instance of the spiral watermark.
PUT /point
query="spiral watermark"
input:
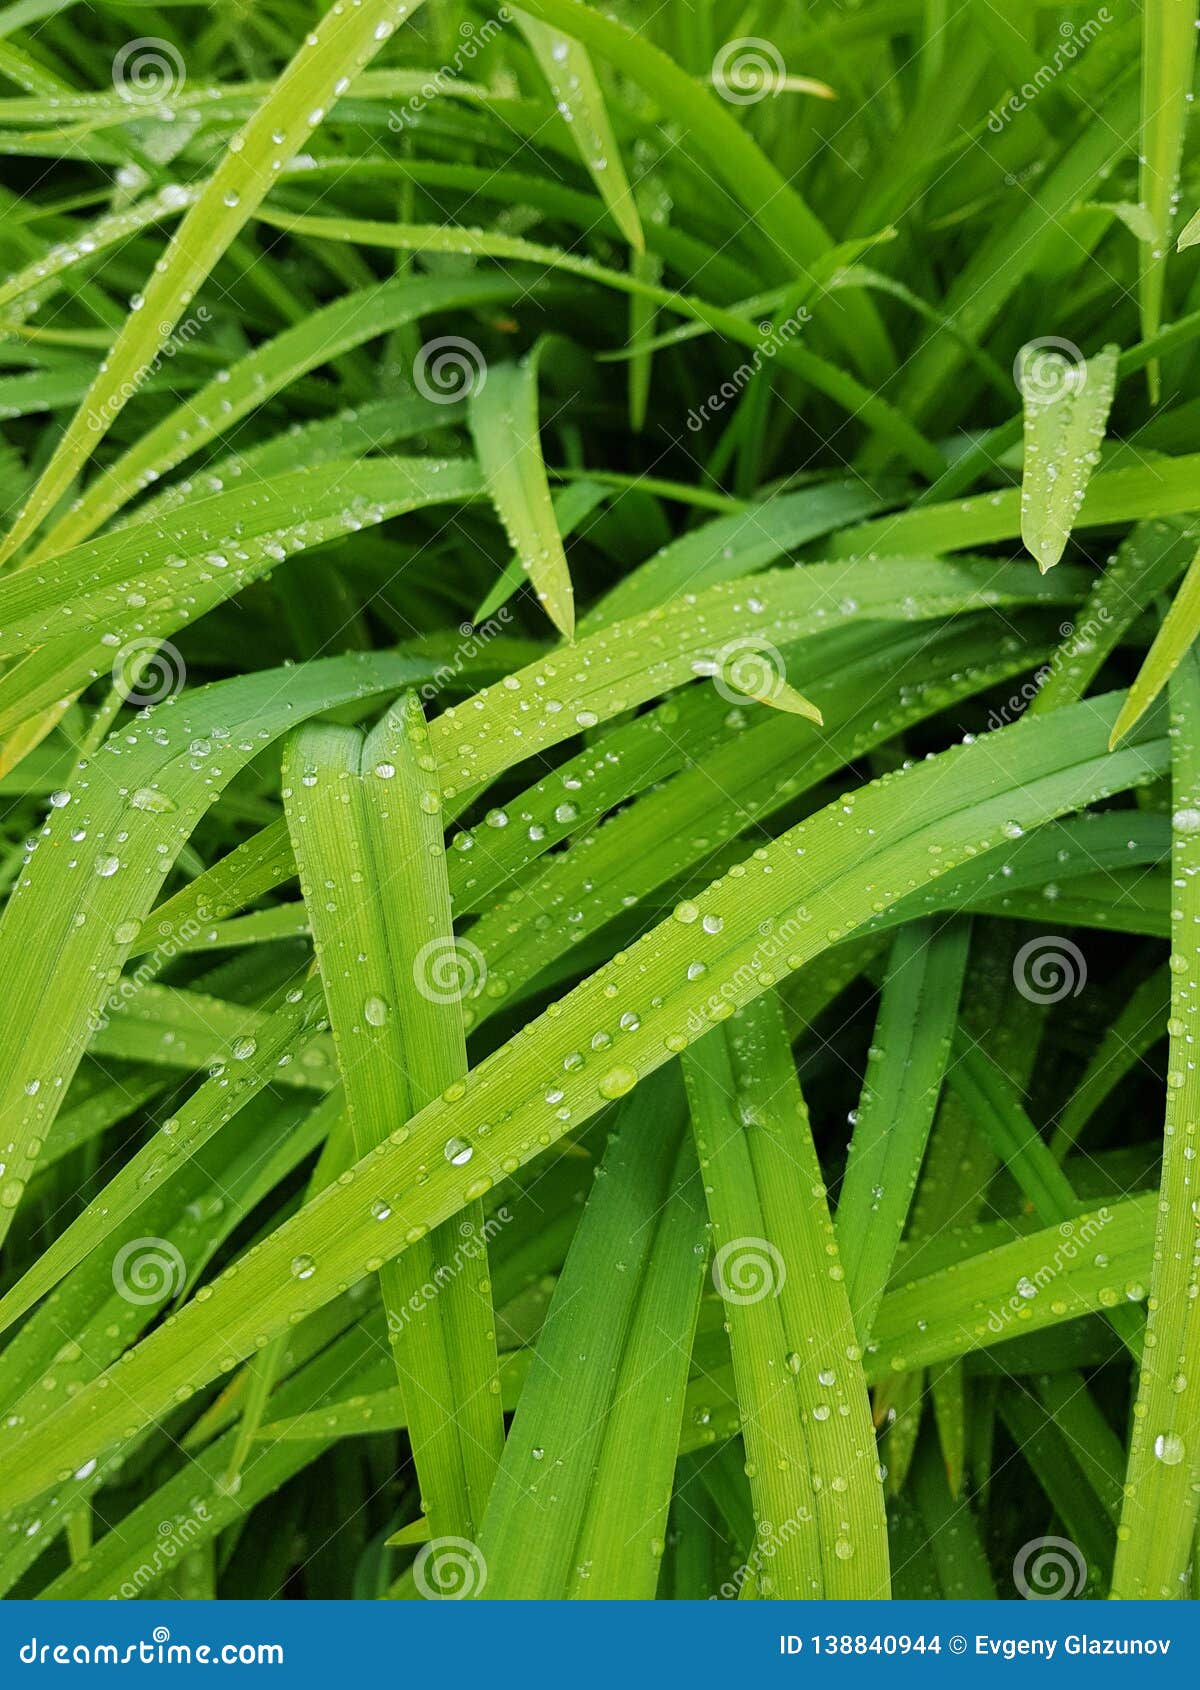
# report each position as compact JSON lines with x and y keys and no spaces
{"x":147,"y":71}
{"x":147,"y":672}
{"x":449,"y":1568}
{"x":1048,"y":969}
{"x":749,"y":667}
{"x":1049,"y":369}
{"x":447,"y":970}
{"x":449,"y":369}
{"x":747,"y":70}
{"x":748,"y":1269}
{"x":148,"y":1270}
{"x":1049,"y":1569}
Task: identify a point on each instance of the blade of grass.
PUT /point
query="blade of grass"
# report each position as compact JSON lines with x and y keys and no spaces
{"x":1168,"y":61}
{"x":905,"y":1069}
{"x":1162,"y":1493}
{"x":363,"y":816}
{"x":1066,"y":413}
{"x":572,"y":81}
{"x":503,"y":412}
{"x":599,"y":1418}
{"x":810,"y":1446}
{"x":1171,"y":644}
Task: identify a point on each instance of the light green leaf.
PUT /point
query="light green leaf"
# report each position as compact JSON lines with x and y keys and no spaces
{"x":1066,"y":412}
{"x":503,"y":409}
{"x":572,"y":81}
{"x":1171,"y":645}
{"x":905,"y":1068}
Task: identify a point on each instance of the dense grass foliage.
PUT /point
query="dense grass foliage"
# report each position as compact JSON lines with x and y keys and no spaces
{"x":600,"y":784}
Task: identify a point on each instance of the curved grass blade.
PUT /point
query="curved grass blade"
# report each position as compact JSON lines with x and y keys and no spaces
{"x":503,"y":412}
{"x":1146,"y":563}
{"x":1171,"y":644}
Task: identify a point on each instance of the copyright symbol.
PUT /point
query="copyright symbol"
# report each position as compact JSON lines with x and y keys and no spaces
{"x":958,"y":1645}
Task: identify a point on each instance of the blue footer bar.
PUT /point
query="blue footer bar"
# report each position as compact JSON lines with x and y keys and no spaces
{"x":527,"y":1644}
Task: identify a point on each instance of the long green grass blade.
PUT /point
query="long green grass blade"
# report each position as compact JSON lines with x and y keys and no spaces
{"x":580,"y":1503}
{"x":1158,"y":1519}
{"x":363,"y":814}
{"x":1172,"y":642}
{"x":1168,"y":62}
{"x":906,"y":1066}
{"x":577,"y":95}
{"x":810,"y":1445}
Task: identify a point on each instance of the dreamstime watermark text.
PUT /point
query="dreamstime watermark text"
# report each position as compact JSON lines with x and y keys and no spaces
{"x":1073,"y":40}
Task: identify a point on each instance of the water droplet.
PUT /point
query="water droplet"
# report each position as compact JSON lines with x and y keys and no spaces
{"x":618,"y":1081}
{"x":1169,"y":1448}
